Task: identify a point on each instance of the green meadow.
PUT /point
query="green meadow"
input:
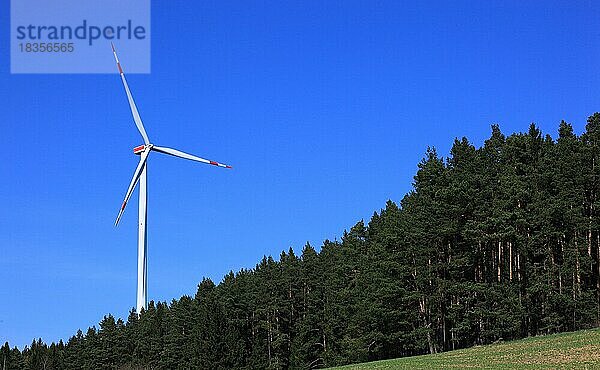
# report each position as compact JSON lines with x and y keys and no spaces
{"x":576,"y":350}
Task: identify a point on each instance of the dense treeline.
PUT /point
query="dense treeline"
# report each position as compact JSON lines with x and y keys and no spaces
{"x":494,"y":243}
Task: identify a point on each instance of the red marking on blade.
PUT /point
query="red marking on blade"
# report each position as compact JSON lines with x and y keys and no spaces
{"x":112,"y":46}
{"x":120,"y":70}
{"x":228,"y":167}
{"x":214,"y":163}
{"x":123,"y":206}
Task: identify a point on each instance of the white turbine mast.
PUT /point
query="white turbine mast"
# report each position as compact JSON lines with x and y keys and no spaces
{"x":140,"y":176}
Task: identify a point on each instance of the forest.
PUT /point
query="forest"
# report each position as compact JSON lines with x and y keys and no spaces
{"x":491,"y":244}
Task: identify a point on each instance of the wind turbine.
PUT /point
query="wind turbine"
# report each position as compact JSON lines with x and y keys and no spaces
{"x":140,"y":175}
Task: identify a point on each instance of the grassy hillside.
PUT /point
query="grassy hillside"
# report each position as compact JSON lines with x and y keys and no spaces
{"x":577,"y":350}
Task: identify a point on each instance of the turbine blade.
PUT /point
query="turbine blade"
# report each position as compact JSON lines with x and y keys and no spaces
{"x":134,"y":181}
{"x":180,"y":154}
{"x":136,"y":116}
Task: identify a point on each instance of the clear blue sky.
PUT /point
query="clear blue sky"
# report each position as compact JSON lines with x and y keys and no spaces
{"x":323,"y":108}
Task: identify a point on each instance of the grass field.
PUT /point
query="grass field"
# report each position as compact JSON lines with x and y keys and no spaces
{"x":577,"y":350}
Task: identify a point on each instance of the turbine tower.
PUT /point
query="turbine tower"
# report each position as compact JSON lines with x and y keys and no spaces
{"x":140,"y":175}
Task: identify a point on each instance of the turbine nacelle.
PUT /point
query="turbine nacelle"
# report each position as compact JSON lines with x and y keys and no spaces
{"x":139,"y":149}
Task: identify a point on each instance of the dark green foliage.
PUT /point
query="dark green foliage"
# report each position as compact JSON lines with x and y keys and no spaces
{"x":496,"y":243}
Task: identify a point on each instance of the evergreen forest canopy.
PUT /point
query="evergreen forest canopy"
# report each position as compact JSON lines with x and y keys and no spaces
{"x":493,"y":243}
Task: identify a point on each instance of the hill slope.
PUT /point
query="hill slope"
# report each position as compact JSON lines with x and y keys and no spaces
{"x":571,"y":350}
{"x":499,"y":242}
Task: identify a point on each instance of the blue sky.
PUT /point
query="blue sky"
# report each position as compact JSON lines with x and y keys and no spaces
{"x":323,"y":108}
